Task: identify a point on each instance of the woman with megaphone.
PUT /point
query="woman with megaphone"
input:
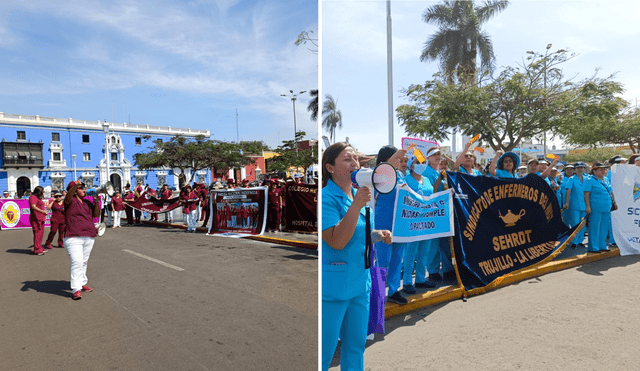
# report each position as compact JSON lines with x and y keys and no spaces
{"x":346,"y":282}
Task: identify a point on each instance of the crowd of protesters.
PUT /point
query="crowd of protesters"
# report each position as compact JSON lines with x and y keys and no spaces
{"x":583,"y":192}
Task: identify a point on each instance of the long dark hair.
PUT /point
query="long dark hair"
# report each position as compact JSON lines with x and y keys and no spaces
{"x":329,"y":157}
{"x":38,"y":192}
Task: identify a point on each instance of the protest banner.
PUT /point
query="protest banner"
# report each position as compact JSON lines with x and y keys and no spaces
{"x":238,"y":212}
{"x":503,"y":226}
{"x":301,"y":208}
{"x":146,"y":202}
{"x":625,"y":222}
{"x":418,"y":218}
{"x":423,"y":145}
{"x":14,"y":214}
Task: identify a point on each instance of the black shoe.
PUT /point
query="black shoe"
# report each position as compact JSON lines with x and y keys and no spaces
{"x":581,"y":245}
{"x":397,"y":298}
{"x":425,"y":285}
{"x":435,"y":277}
{"x":409,"y":289}
{"x":574,"y":246}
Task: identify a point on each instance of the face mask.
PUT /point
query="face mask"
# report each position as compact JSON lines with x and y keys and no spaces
{"x":420,"y":168}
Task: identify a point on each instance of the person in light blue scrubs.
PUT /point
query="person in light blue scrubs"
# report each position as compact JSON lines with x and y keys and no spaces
{"x":614,"y":161}
{"x":346,"y":283}
{"x":390,"y":255}
{"x":504,"y":165}
{"x":466,"y":162}
{"x":574,"y":204}
{"x":440,"y":252}
{"x":598,"y":199}
{"x":567,"y":173}
{"x":415,"y":253}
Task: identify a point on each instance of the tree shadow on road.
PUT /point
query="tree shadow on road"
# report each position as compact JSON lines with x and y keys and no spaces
{"x":598,"y":267}
{"x":61,"y":288}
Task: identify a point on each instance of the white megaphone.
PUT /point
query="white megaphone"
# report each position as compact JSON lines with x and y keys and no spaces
{"x":383,"y":178}
{"x":105,"y":188}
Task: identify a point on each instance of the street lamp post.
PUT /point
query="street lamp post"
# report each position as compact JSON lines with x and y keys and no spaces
{"x":75,"y":174}
{"x":293,"y":100}
{"x":545,"y":90}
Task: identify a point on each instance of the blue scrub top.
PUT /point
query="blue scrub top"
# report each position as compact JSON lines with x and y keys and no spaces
{"x":599,"y":197}
{"x":475,"y":172}
{"x":576,"y":199}
{"x":504,"y":174}
{"x":384,"y":206}
{"x":432,"y":174}
{"x":343,"y":273}
{"x":424,"y":189}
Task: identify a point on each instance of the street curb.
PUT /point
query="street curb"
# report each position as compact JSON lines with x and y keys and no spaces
{"x":282,"y":241}
{"x":279,"y":241}
{"x":450,"y":293}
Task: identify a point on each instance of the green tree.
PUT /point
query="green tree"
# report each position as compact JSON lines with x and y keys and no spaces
{"x":331,"y":116}
{"x":288,"y":158}
{"x":191,"y":154}
{"x":623,"y":129}
{"x":313,"y":104}
{"x":459,"y":39}
{"x":307,"y":37}
{"x":511,"y":107}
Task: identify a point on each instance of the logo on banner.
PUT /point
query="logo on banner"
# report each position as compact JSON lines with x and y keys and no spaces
{"x":510,"y":218}
{"x":460,"y":195}
{"x":636,"y":192}
{"x":10,"y":214}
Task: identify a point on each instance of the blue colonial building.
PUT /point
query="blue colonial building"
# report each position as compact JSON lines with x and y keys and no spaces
{"x":44,"y":151}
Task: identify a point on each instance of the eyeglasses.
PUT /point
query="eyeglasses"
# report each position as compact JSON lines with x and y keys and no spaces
{"x":469,"y":156}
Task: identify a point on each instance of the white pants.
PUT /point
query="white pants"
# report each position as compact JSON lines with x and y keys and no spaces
{"x":192,"y":219}
{"x":116,"y":218}
{"x":79,"y":249}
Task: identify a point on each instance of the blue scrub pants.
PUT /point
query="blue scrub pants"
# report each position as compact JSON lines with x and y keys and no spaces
{"x":440,"y":252}
{"x":572,"y":218}
{"x":348,"y":320}
{"x":390,"y":257}
{"x":598,"y":228}
{"x":415,"y":252}
{"x":610,"y":233}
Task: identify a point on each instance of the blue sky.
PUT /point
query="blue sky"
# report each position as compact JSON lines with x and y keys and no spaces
{"x":354,"y":71}
{"x":165,"y":63}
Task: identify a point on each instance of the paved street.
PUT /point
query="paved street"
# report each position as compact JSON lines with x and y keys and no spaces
{"x":237,"y":304}
{"x":583,"y":318}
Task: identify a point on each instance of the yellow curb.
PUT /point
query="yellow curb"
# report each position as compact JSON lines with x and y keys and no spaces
{"x":282,"y":241}
{"x":279,"y":241}
{"x":450,"y":293}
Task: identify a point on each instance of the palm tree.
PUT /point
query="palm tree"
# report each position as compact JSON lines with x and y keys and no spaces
{"x":313,"y":104}
{"x":460,"y":38}
{"x":331,"y":117}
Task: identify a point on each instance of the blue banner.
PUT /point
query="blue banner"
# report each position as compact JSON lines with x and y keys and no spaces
{"x":418,"y":218}
{"x":503,"y":225}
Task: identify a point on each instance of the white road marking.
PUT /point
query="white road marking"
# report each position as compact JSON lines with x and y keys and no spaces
{"x":154,"y":260}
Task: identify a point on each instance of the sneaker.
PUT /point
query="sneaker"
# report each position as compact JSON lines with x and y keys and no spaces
{"x":87,"y":289}
{"x":449,"y":275}
{"x":77,"y":295}
{"x":397,"y":298}
{"x":48,"y":246}
{"x":40,"y":253}
{"x":425,"y":285}
{"x":409,"y":289}
{"x":435,"y":277}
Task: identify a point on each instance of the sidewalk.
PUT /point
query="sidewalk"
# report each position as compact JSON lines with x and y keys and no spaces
{"x":295,"y":239}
